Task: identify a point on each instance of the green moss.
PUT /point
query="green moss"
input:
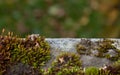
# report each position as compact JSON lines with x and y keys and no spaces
{"x":65,"y":71}
{"x":102,"y":46}
{"x":91,"y":71}
{"x":115,"y":68}
{"x":97,"y":71}
{"x":33,"y":51}
{"x":105,"y":45}
{"x":81,"y":49}
{"x":27,"y":52}
{"x":5,"y":45}
{"x":67,"y":59}
{"x":84,"y":47}
{"x":66,"y":64}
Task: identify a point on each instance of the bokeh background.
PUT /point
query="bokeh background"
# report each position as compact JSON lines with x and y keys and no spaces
{"x":61,"y":18}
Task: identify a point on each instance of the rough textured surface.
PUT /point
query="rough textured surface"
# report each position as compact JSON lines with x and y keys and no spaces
{"x":68,"y":44}
{"x":94,"y":61}
{"x":21,"y":69}
{"x":63,"y":44}
{"x":59,"y":45}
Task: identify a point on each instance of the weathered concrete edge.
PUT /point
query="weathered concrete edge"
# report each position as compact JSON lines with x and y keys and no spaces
{"x":69,"y":45}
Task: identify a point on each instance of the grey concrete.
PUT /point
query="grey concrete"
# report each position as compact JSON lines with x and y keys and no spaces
{"x":68,"y":44}
{"x":59,"y":45}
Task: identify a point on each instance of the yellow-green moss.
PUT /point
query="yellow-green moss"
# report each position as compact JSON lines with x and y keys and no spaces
{"x":33,"y":51}
{"x":64,"y":71}
{"x":81,"y":49}
{"x":67,"y":59}
{"x":66,"y":64}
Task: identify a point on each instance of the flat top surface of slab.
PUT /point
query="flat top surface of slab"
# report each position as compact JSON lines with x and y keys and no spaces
{"x":59,"y":45}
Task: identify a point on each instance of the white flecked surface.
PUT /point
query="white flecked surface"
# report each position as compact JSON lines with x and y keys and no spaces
{"x":68,"y":44}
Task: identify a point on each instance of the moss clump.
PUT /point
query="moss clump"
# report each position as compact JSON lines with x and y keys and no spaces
{"x":33,"y":51}
{"x":67,"y":60}
{"x":5,"y":55}
{"x":62,"y":67}
{"x":96,"y":71}
{"x":103,"y":48}
{"x":115,"y":68}
{"x":81,"y":49}
{"x":105,"y":45}
{"x":66,"y":64}
{"x":84,"y":47}
{"x":64,"y":71}
{"x":91,"y":71}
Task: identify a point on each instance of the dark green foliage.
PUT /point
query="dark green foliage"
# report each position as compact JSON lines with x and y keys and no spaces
{"x":76,"y":18}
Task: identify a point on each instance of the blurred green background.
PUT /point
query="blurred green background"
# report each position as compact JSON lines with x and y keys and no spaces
{"x":61,"y":18}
